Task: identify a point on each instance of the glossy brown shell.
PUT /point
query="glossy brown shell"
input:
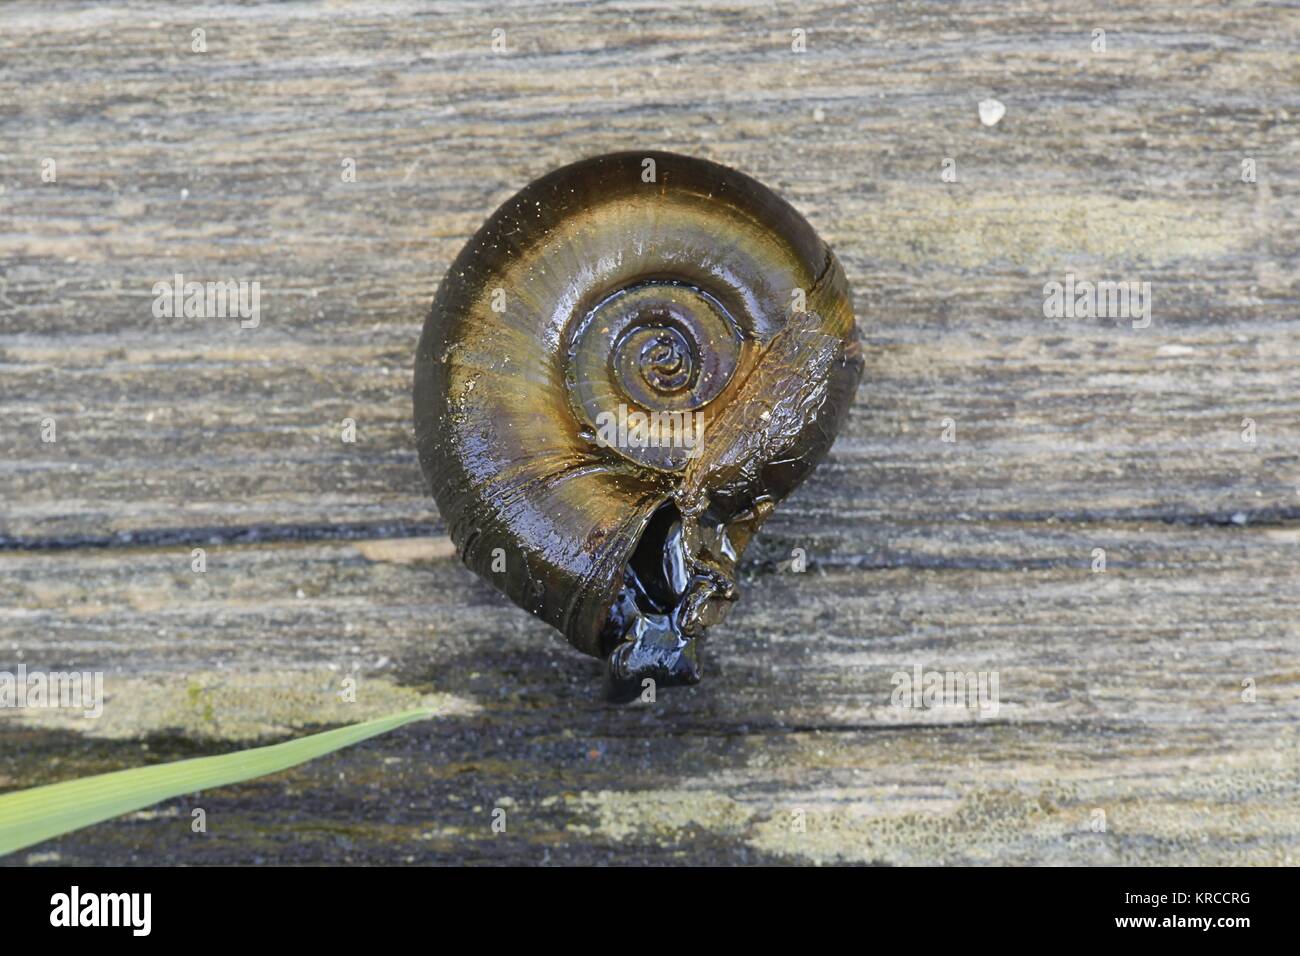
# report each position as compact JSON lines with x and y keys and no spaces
{"x":503,"y":423}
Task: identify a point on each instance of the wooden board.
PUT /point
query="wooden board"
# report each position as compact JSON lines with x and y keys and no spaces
{"x":1121,"y":691}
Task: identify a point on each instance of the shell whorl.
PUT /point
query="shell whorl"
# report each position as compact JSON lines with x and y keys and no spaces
{"x":594,"y":293}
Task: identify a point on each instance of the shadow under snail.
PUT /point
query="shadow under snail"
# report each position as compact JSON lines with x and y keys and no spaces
{"x":625,"y":369}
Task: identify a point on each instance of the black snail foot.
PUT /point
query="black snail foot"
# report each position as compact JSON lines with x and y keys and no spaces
{"x":658,"y":653}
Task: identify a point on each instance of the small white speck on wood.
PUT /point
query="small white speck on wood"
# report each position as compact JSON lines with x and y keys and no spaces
{"x":991,"y":111}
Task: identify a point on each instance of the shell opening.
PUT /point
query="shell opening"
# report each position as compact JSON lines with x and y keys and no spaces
{"x":668,"y":598}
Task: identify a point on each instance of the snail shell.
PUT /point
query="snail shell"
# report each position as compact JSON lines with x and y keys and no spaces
{"x":624,"y":370}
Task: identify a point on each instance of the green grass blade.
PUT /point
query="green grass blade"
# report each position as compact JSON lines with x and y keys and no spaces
{"x":30,"y":816}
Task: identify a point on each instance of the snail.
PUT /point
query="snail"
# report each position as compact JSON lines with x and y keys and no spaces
{"x":624,"y":370}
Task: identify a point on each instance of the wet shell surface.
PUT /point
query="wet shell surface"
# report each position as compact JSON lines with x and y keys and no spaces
{"x":624,"y":370}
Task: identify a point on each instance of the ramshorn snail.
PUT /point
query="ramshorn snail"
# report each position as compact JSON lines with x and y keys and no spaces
{"x":624,"y":370}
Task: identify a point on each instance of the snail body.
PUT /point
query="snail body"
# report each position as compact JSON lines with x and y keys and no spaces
{"x":620,"y":377}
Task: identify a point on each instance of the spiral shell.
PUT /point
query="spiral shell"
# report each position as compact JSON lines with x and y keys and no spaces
{"x":624,"y":370}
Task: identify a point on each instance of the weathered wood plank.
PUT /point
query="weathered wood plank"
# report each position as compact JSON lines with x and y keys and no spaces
{"x":1120,"y":691}
{"x":1106,"y":703}
{"x":227,"y":165}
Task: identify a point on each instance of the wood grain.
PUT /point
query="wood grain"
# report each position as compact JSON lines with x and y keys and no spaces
{"x":1121,"y":691}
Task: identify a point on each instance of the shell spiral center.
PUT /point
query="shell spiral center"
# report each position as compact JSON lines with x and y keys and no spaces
{"x":656,"y":347}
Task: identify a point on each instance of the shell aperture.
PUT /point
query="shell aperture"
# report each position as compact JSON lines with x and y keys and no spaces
{"x":620,"y":377}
